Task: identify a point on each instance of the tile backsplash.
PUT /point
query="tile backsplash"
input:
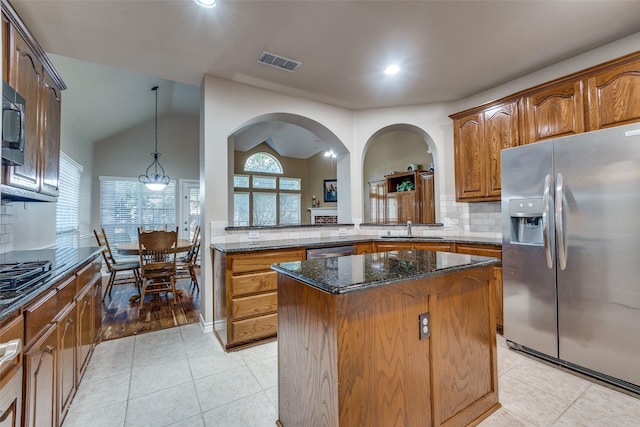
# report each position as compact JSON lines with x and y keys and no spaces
{"x":6,"y":226}
{"x":470,"y":218}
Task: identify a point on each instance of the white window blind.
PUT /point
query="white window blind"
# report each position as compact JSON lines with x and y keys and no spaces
{"x":126,"y":204}
{"x":68,"y":204}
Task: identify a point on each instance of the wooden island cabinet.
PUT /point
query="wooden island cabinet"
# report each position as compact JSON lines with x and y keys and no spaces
{"x":400,"y":339}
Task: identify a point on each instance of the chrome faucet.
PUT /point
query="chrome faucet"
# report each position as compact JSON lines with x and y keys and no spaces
{"x":409,"y":228}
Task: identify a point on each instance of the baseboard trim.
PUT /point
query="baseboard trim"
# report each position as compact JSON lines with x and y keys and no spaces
{"x":206,"y":326}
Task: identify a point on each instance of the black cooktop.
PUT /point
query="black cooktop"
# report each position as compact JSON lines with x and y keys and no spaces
{"x":20,"y":275}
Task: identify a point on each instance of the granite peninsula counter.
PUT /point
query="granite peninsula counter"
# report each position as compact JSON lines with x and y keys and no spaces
{"x":395,"y":338}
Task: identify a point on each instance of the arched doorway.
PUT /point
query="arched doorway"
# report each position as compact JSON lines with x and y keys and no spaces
{"x":393,"y":149}
{"x":309,"y":152}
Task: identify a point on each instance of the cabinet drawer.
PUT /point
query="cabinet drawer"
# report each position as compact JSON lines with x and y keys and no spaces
{"x":66,"y":292}
{"x":86,"y":274}
{"x":254,"y":283}
{"x":39,"y":315}
{"x":253,"y":329}
{"x":257,"y":261}
{"x":433,"y":246}
{"x":254,"y":305}
{"x":480,"y":250}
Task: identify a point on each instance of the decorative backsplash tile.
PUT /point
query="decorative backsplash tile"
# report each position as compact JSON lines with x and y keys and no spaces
{"x":6,"y":226}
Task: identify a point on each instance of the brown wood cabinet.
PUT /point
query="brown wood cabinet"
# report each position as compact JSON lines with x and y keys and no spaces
{"x":28,"y":70}
{"x":447,"y":379}
{"x":59,"y":338}
{"x":25,"y":74}
{"x":494,"y":251}
{"x":478,"y":139}
{"x":410,"y":205}
{"x":377,"y":200}
{"x":363,"y":248}
{"x":554,"y":111}
{"x":599,"y":97}
{"x":40,"y":380}
{"x":11,"y":375}
{"x":613,"y":94}
{"x":245,"y":295}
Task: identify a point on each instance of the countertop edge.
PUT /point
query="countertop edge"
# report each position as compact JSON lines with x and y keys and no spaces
{"x":59,"y":274}
{"x":478,"y":261}
{"x":339,"y":241}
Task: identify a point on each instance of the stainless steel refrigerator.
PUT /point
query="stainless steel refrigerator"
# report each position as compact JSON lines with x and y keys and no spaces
{"x":571,"y":251}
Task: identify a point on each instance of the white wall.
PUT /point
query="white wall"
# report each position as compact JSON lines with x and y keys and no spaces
{"x":128,"y":154}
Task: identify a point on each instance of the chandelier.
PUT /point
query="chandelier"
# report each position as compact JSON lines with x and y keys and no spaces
{"x":154,"y":177}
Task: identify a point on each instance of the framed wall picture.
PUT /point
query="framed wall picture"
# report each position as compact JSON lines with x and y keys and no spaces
{"x":330,"y":190}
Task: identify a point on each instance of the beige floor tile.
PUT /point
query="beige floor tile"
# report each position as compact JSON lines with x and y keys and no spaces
{"x":108,"y":416}
{"x":266,"y":372}
{"x":102,"y":392}
{"x":602,"y":407}
{"x":224,"y":387}
{"x":564,"y":386}
{"x":258,"y":353}
{"x":528,"y":403}
{"x":236,"y":414}
{"x":272,"y":394}
{"x":503,"y":418}
{"x":196,"y":421}
{"x":163,"y":407}
{"x":154,"y":377}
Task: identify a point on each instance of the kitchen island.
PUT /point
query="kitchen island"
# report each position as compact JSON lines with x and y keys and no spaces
{"x":386,"y":339}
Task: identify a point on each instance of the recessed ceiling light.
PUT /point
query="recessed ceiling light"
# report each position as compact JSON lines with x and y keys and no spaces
{"x":391,"y":70}
{"x":207,"y":3}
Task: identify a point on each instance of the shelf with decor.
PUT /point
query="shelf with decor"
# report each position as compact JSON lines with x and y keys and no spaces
{"x":410,"y":197}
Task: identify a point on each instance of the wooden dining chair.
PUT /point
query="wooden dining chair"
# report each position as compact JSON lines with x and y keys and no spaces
{"x":120,"y":273}
{"x":157,"y":262}
{"x":186,"y":266}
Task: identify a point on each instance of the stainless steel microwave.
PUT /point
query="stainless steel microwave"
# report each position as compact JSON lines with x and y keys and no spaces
{"x":13,"y":109}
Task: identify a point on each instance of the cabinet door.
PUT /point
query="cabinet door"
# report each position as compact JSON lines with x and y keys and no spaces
{"x":50,"y":137}
{"x":25,"y":77}
{"x":66,"y":367}
{"x":500,"y":131}
{"x":11,"y":400}
{"x":363,"y":248}
{"x":40,"y":381}
{"x":553,"y":112}
{"x":85,"y":328}
{"x":614,"y":95}
{"x":468,"y":133}
{"x":428,"y":202}
{"x":393,"y":246}
{"x":498,"y":302}
{"x":97,"y":309}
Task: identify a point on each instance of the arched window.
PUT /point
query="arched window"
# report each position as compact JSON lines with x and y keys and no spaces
{"x":262,"y":162}
{"x":263,"y":199}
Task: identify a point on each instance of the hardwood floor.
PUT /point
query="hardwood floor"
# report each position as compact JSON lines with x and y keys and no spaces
{"x":122,"y":317}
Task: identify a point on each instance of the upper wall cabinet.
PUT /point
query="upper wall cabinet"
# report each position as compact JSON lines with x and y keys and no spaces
{"x":614,"y":95}
{"x":478,"y":139}
{"x":27,"y":69}
{"x":602,"y":96}
{"x":552,"y":112}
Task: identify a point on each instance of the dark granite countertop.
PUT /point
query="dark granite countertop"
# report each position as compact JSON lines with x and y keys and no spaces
{"x":340,"y":275}
{"x":319,"y":242}
{"x":63,"y":262}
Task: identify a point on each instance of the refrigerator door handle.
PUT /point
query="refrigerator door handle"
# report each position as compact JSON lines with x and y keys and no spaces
{"x":562,"y":249}
{"x":546,"y":200}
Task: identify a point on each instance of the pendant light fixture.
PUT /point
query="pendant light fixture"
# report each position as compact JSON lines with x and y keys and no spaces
{"x":155,"y":179}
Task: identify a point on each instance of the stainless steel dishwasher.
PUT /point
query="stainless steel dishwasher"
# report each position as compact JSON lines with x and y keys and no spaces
{"x":329,"y":252}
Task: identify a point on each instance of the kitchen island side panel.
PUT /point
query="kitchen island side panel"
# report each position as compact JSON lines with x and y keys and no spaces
{"x":307,"y":356}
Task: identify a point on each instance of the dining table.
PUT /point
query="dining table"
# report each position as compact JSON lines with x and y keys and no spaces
{"x":132,"y":248}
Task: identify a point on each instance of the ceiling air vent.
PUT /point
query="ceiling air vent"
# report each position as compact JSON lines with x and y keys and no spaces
{"x":278,"y":61}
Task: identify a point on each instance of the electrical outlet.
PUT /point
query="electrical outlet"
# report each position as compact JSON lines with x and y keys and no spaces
{"x":342,"y":231}
{"x":424,"y":325}
{"x":254,"y":234}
